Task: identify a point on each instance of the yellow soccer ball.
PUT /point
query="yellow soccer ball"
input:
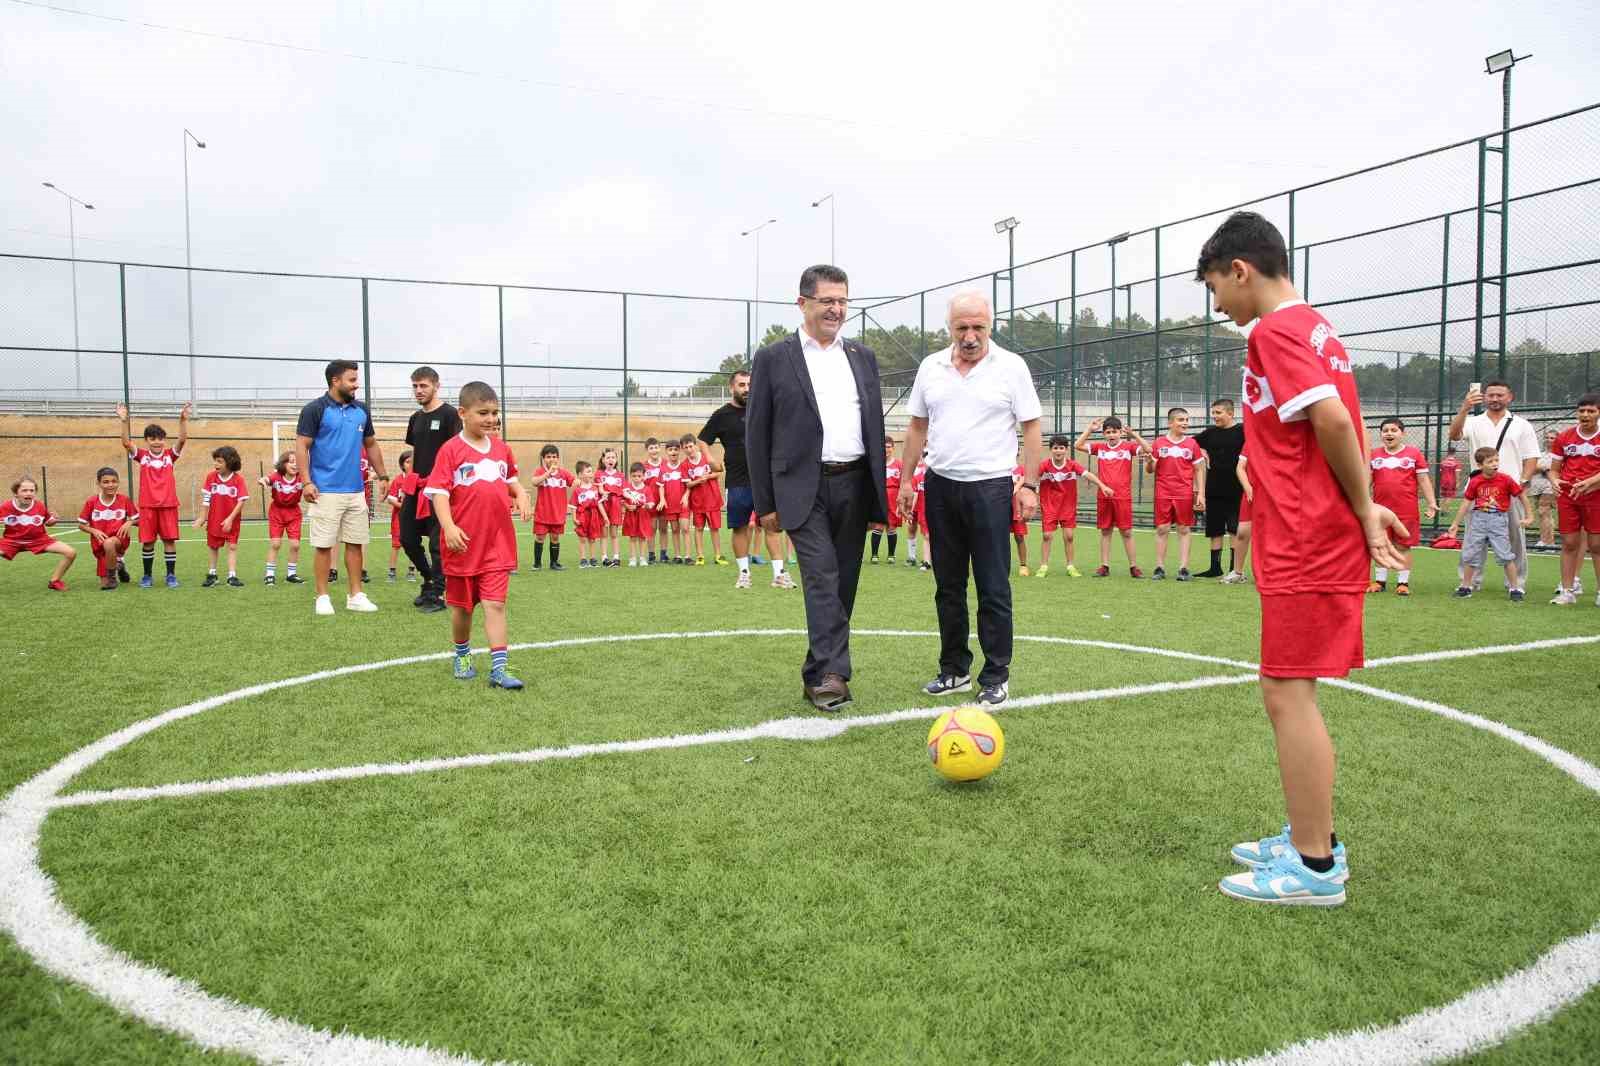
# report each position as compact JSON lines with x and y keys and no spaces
{"x":966,"y":744}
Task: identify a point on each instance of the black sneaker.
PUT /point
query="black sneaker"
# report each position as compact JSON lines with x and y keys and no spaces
{"x":1183,"y":574}
{"x":1158,"y":574}
{"x":234,"y":582}
{"x":1213,"y":572}
{"x":1517,"y":595}
{"x":945,"y":684}
{"x":431,"y":606}
{"x":123,"y":575}
{"x":422,"y":597}
{"x":269,"y":580}
{"x":1462,"y":592}
{"x":211,"y":579}
{"x":333,"y":575}
{"x":364,"y":577}
{"x":556,"y":566}
{"x":583,"y":564}
{"x":536,"y":566}
{"x":994,"y":695}
{"x":295,"y":579}
{"x":927,"y":566}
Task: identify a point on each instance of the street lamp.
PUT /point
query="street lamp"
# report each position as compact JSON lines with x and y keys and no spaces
{"x":1501,"y":63}
{"x":72,"y":244}
{"x":188,"y":264}
{"x":833,"y":251}
{"x":1008,"y":226}
{"x":1112,"y":242}
{"x":756,"y":307}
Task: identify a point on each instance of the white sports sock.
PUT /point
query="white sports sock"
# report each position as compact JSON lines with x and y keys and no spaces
{"x":744,"y":563}
{"x":1403,"y":576}
{"x":777,"y":567}
{"x":1383,"y":574}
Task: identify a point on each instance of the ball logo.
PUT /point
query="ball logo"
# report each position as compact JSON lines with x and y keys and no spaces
{"x":1174,"y":451}
{"x":156,"y":462}
{"x":223,"y":489}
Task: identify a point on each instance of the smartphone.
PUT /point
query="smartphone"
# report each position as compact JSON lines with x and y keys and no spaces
{"x":1476,"y":386}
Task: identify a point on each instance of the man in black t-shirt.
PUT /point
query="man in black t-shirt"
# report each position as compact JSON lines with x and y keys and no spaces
{"x":426,"y":433}
{"x":726,"y":426}
{"x":1222,"y":442}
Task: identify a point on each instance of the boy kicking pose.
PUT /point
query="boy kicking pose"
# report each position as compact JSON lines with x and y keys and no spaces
{"x":1315,"y":525}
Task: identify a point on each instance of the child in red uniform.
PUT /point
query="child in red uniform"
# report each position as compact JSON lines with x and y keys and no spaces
{"x":1488,"y":496}
{"x":1575,"y":469}
{"x":705,"y":498}
{"x":652,"y":478}
{"x":891,"y":481}
{"x":1114,"y":458}
{"x":1398,"y":471}
{"x":919,"y":516}
{"x":108,"y":518}
{"x":473,"y":475}
{"x":401,"y":487}
{"x":1241,"y":539}
{"x":283,"y":487}
{"x":1179,"y":464}
{"x":25,"y":520}
{"x":222,"y":500}
{"x":589,"y":520}
{"x":638,"y":515}
{"x":1449,"y":474}
{"x":1058,"y":500}
{"x":674,"y":501}
{"x":1314,"y":516}
{"x":1019,"y":527}
{"x":158,"y":491}
{"x":612,"y":480}
{"x":551,"y":507}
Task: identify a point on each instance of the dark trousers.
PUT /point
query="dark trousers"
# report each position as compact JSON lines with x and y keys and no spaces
{"x":412,"y":530}
{"x":829,"y":545}
{"x":969,"y":523}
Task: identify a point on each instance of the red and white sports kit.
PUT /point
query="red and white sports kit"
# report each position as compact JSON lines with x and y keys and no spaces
{"x":476,"y":482}
{"x":1580,"y":459}
{"x":1058,"y":494}
{"x":551,"y":502}
{"x":652,"y":482}
{"x":919,"y":514}
{"x":1449,"y":472}
{"x":158,"y":494}
{"x":639,"y":521}
{"x":1310,"y":556}
{"x":24,"y":529}
{"x":108,"y":518}
{"x":705,"y":500}
{"x":1175,"y":465}
{"x":612,"y":482}
{"x":283,"y":507}
{"x":1245,"y":501}
{"x":401,"y":487}
{"x":1394,"y":485}
{"x":590,"y":523}
{"x":673,"y":490}
{"x":1114,"y":466}
{"x":1019,"y":528}
{"x":219,"y":495}
{"x":891,"y":484}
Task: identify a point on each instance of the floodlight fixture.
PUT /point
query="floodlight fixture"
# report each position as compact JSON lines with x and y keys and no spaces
{"x":1005,"y":224}
{"x":1119,"y":238}
{"x":1500,"y":61}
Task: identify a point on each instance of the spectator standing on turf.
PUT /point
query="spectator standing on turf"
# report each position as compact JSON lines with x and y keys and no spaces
{"x":334,"y":432}
{"x":815,"y":439}
{"x":430,"y":427}
{"x":1513,"y":437}
{"x":726,"y":426}
{"x":967,"y":405}
{"x":1223,"y":441}
{"x":1542,"y":494}
{"x":1489,"y":495}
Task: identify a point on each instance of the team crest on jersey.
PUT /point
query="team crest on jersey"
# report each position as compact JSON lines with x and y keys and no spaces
{"x":1176,"y":451}
{"x":1571,"y":451}
{"x":156,"y":462}
{"x":1257,"y":393}
{"x":25,"y":519}
{"x":1393,"y":462}
{"x":110,"y":514}
{"x":470,"y":473}
{"x":224,"y":489}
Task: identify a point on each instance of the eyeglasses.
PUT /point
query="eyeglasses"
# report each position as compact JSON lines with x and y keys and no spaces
{"x":832,"y":302}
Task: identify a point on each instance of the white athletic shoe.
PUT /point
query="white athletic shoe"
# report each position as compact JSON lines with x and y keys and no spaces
{"x":744,"y":580}
{"x":1232,"y":577}
{"x":359,"y":603}
{"x":1563,"y":598}
{"x":324,"y":605}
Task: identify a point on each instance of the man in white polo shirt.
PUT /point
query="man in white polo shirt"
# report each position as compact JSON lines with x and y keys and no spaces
{"x":966,"y":406}
{"x":1514,"y":438}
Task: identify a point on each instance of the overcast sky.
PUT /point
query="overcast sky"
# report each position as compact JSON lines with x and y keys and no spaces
{"x":626,"y":145}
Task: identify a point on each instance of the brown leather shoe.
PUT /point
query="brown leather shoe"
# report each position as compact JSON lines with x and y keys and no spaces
{"x":829,"y":694}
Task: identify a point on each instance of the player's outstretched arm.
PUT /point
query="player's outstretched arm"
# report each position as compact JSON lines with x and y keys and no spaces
{"x":1082,"y":443}
{"x":127,"y":434}
{"x":1341,"y":447}
{"x":183,"y":426}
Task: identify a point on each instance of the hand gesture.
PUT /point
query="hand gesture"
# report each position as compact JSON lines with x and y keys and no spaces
{"x":122,"y":411}
{"x":1108,"y":490}
{"x":906,"y":501}
{"x":1096,"y":424}
{"x":524,"y":508}
{"x":1430,"y":511}
{"x":1586,"y":486}
{"x":183,"y":415}
{"x":127,"y":528}
{"x":199,"y":523}
{"x":1376,"y":524}
{"x":455,"y":539}
{"x":1452,"y":530}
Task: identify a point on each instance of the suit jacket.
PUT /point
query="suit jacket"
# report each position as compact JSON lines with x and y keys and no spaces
{"x":783,"y":430}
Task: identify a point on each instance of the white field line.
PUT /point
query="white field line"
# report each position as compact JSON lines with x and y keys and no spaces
{"x":1493,"y":649}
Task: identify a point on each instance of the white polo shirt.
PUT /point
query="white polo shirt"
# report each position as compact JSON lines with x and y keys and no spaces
{"x":838,"y":400}
{"x":973,"y":420}
{"x":1521,"y":441}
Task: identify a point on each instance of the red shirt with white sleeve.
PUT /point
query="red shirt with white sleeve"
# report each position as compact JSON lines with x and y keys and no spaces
{"x":1058,"y":486}
{"x":1175,"y":464}
{"x":219,"y":495}
{"x":1579,"y":455}
{"x":587,"y":499}
{"x":108,"y":518}
{"x":158,"y":485}
{"x":25,"y":527}
{"x":285,"y":491}
{"x":611,"y":481}
{"x":1394,"y":477}
{"x":1491,"y":493}
{"x":550,"y":506}
{"x":476,"y":481}
{"x":707,"y":496}
{"x":1114,"y":464}
{"x":891,"y":478}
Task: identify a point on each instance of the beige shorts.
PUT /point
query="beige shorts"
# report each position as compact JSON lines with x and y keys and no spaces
{"x":339,"y":518}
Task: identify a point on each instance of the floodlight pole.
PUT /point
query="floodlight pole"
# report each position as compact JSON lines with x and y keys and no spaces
{"x":756,"y":306}
{"x":188,"y":256}
{"x":833,"y":249}
{"x":72,"y":245}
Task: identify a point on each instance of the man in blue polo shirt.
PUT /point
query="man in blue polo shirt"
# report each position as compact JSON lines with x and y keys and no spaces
{"x":333,"y":432}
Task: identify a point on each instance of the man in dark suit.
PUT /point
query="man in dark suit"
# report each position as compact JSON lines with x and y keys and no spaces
{"x":814,"y":434}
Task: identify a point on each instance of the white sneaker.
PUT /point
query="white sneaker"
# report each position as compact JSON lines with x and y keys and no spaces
{"x":324,"y":605}
{"x":1232,"y":577}
{"x":358,"y":602}
{"x":744,"y":580}
{"x":783,"y":581}
{"x":1564,"y":598}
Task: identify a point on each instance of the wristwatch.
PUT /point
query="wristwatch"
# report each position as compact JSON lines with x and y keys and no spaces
{"x":1031,"y":488}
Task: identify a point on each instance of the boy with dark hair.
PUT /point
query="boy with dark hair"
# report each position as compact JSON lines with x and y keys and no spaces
{"x":1488,"y":495}
{"x":1179,"y":464}
{"x":551,"y":507}
{"x":158,"y":491}
{"x":652,"y":479}
{"x":1313,"y":515}
{"x":1059,"y":475}
{"x":1575,"y":469}
{"x":1223,"y":441}
{"x":221,"y":502}
{"x":589,"y":514}
{"x":674,"y":494}
{"x":638,"y":515}
{"x":108,"y":517}
{"x":1398,"y":471}
{"x":1114,"y":459}
{"x":705,"y":499}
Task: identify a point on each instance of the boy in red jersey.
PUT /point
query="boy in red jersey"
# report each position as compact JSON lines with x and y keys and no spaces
{"x":612,"y":480}
{"x":1449,"y":474}
{"x":1241,"y":539}
{"x":221,"y":501}
{"x":284,"y":488}
{"x":652,"y":479}
{"x":1575,"y":469}
{"x":108,"y":518}
{"x":589,"y":515}
{"x":158,"y":491}
{"x":472,"y":476}
{"x":1315,"y":524}
{"x":1398,"y":471}
{"x":674,"y":497}
{"x":23,"y":520}
{"x":917,"y":524}
{"x":638,"y":515}
{"x":1058,"y":500}
{"x":401,"y":487}
{"x":1179,"y":464}
{"x":1488,"y":496}
{"x":891,"y":480}
{"x":705,"y":498}
{"x":550,"y":509}
{"x":1114,"y":458}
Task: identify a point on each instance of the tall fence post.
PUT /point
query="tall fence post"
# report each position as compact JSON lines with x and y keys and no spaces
{"x":1072,"y":341}
{"x":500,"y":321}
{"x":1205,"y":348}
{"x":1060,"y":360}
{"x":127,"y":392}
{"x":626,"y":390}
{"x":1291,"y":234}
{"x":1505,"y":235}
{"x":1477,"y":316}
{"x":1156,"y":395}
{"x":1444,"y":331}
{"x":1305,"y":282}
{"x":749,"y":338}
{"x":366,"y":349}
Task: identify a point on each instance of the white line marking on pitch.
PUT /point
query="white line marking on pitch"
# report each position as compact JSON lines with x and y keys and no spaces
{"x":64,"y":945}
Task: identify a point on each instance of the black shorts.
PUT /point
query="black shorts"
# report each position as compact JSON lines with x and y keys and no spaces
{"x":1222,"y":515}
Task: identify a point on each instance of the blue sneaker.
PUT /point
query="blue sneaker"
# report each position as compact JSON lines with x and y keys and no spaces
{"x":1258,"y":853}
{"x":172,"y":581}
{"x":1286,"y":879}
{"x":501,"y":679}
{"x":146,"y":583}
{"x":463,"y":669}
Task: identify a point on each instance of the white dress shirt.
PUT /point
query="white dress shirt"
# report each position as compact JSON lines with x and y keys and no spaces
{"x":973,"y":419}
{"x":838,"y":401}
{"x":1521,"y":442}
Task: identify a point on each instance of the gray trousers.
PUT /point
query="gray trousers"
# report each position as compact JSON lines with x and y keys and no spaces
{"x":829,"y":545}
{"x":1519,"y":546}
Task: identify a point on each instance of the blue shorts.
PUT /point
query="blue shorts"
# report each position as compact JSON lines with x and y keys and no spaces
{"x":741,"y":502}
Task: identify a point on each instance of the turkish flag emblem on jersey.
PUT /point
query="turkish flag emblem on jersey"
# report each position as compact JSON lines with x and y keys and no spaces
{"x":1257,"y":393}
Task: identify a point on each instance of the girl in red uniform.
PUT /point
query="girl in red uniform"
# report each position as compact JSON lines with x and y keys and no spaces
{"x":24,"y":519}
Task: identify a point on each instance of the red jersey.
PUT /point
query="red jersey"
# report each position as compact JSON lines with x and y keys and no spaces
{"x":25,"y":527}
{"x":1175,"y":463}
{"x":1058,"y":485}
{"x":285,"y":491}
{"x":403,"y":486}
{"x":652,"y":476}
{"x":158,"y":487}
{"x":1115,"y":464}
{"x":587,"y":498}
{"x":672,"y":486}
{"x":108,"y":518}
{"x":919,"y":476}
{"x":220,"y":494}
{"x":1579,"y":455}
{"x":891,"y":478}
{"x":554,"y":491}
{"x":637,"y":497}
{"x":1394,"y":477}
{"x":1449,"y":472}
{"x":1491,"y":493}
{"x":1307,"y":538}
{"x":612,"y":481}
{"x":475,"y":481}
{"x":706,"y":496}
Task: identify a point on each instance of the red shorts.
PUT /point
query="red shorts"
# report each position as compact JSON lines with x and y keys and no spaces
{"x":1113,"y":512}
{"x":614,"y":511}
{"x":10,"y":549}
{"x":216,"y":538}
{"x":284,"y":520}
{"x":708,"y":519}
{"x":1413,"y":523}
{"x":1061,"y":514}
{"x":554,"y":529}
{"x":637,"y":524}
{"x":1244,"y":510}
{"x":1578,"y":513}
{"x":158,"y":522}
{"x":1174,"y":510}
{"x":98,"y":547}
{"x":1311,"y":634}
{"x":921,"y":515}
{"x":469,"y":591}
{"x":671,"y":513}
{"x":590,"y":525}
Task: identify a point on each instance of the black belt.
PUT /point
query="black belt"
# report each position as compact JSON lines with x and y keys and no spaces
{"x":830,"y":469}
